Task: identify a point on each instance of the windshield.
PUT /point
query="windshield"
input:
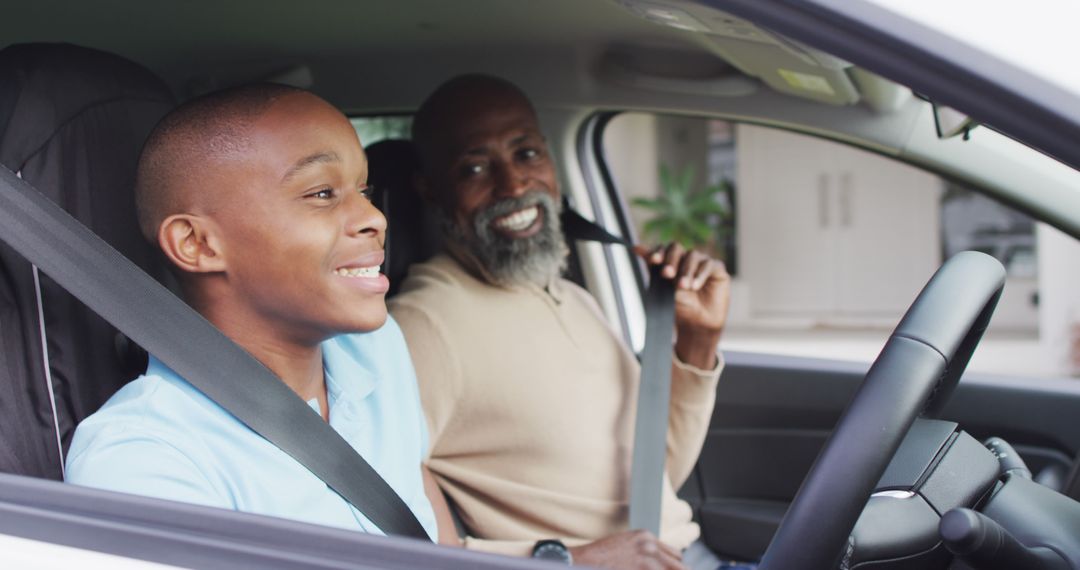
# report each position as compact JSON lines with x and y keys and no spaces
{"x":1038,"y":36}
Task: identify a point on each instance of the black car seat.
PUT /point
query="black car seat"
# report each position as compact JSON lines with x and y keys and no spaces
{"x":72,"y":122}
{"x":413,"y":233}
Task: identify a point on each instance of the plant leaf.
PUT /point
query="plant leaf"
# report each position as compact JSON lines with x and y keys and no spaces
{"x":700,"y":230}
{"x":712,"y":208}
{"x":653,"y":226}
{"x":665,"y":179}
{"x":687,"y":180}
{"x":656,"y":205}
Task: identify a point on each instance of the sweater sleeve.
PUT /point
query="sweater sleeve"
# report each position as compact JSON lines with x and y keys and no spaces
{"x":693,"y":394}
{"x":438,"y":371}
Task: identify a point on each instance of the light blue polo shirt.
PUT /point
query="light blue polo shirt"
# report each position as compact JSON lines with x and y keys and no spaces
{"x":159,"y":436}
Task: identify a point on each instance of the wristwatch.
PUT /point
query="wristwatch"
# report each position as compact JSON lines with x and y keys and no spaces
{"x":553,"y":550}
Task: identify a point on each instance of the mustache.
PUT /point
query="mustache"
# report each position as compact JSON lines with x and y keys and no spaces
{"x":482,"y":220}
{"x":534,"y":259}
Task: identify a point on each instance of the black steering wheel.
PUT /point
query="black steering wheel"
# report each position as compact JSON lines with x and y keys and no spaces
{"x":914,"y":374}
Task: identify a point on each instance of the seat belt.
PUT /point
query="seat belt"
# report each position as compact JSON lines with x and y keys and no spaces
{"x":654,"y":392}
{"x":125,"y":296}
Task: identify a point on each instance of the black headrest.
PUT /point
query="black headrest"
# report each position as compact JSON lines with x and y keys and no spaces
{"x":72,"y":122}
{"x":413,"y":235}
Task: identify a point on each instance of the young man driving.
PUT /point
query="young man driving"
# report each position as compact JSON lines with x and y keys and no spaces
{"x":257,"y":197}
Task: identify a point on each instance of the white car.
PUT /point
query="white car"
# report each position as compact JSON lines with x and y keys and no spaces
{"x":852,"y":138}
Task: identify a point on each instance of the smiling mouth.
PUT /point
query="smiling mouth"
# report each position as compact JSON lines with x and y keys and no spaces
{"x":517,"y":221}
{"x":358,"y":272}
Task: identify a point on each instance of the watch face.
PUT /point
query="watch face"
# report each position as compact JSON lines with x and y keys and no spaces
{"x":551,"y":550}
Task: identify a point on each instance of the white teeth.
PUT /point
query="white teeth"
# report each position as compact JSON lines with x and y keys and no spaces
{"x":366,"y":272}
{"x":518,"y":220}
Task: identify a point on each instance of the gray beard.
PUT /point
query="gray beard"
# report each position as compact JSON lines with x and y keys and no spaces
{"x":536,"y":259}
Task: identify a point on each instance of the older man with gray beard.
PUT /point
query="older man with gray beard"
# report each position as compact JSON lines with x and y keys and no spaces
{"x":529,"y":393}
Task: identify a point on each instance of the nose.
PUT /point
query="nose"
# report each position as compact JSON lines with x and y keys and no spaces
{"x":511,"y":180}
{"x":364,"y":218}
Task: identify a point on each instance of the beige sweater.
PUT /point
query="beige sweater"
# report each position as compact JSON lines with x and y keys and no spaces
{"x":530,"y":399}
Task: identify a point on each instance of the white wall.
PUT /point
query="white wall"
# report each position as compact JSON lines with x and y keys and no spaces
{"x":1059,"y":298}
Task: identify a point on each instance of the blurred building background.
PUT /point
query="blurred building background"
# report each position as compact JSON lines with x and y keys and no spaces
{"x":829,"y":244}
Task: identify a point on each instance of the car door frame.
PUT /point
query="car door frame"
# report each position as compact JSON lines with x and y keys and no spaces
{"x":1045,"y":117}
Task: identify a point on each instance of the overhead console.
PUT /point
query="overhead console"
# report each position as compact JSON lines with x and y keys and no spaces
{"x":783,"y":64}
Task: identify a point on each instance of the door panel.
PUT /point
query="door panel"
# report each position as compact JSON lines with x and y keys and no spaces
{"x":773,"y":414}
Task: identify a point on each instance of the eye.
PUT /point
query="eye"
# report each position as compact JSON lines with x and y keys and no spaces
{"x":322,"y":194}
{"x":528,"y":154}
{"x":367,"y":191}
{"x":474,"y":169}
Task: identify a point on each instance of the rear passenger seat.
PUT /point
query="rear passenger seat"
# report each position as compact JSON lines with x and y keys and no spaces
{"x":413,"y":233}
{"x":72,"y":122}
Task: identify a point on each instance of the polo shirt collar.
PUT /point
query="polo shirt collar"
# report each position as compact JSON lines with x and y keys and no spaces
{"x":555,"y":289}
{"x":348,"y":380}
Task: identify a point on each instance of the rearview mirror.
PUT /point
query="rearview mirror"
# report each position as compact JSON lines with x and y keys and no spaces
{"x":950,"y":122}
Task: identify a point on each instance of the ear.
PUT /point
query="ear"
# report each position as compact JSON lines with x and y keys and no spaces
{"x":191,"y":243}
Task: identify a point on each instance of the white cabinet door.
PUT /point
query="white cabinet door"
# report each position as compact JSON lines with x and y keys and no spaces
{"x":821,"y":224}
{"x":784,"y":213}
{"x":888,"y":233}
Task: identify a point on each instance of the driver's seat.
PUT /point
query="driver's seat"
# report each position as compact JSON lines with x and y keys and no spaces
{"x":72,"y":123}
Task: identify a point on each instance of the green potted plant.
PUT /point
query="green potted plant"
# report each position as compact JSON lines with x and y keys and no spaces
{"x":693,"y":218}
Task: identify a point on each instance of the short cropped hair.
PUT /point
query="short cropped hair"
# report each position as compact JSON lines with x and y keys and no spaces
{"x":212,"y":125}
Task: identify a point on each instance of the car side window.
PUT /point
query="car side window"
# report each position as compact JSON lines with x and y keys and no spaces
{"x":827,"y":243}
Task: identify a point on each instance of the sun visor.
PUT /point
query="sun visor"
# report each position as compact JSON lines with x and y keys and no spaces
{"x":674,"y":70}
{"x":783,"y":64}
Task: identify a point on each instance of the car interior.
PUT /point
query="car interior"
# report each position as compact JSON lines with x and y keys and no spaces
{"x":83,"y":84}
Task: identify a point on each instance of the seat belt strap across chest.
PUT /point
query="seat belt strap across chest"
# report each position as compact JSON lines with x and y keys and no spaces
{"x":124,"y":295}
{"x":654,"y":393}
